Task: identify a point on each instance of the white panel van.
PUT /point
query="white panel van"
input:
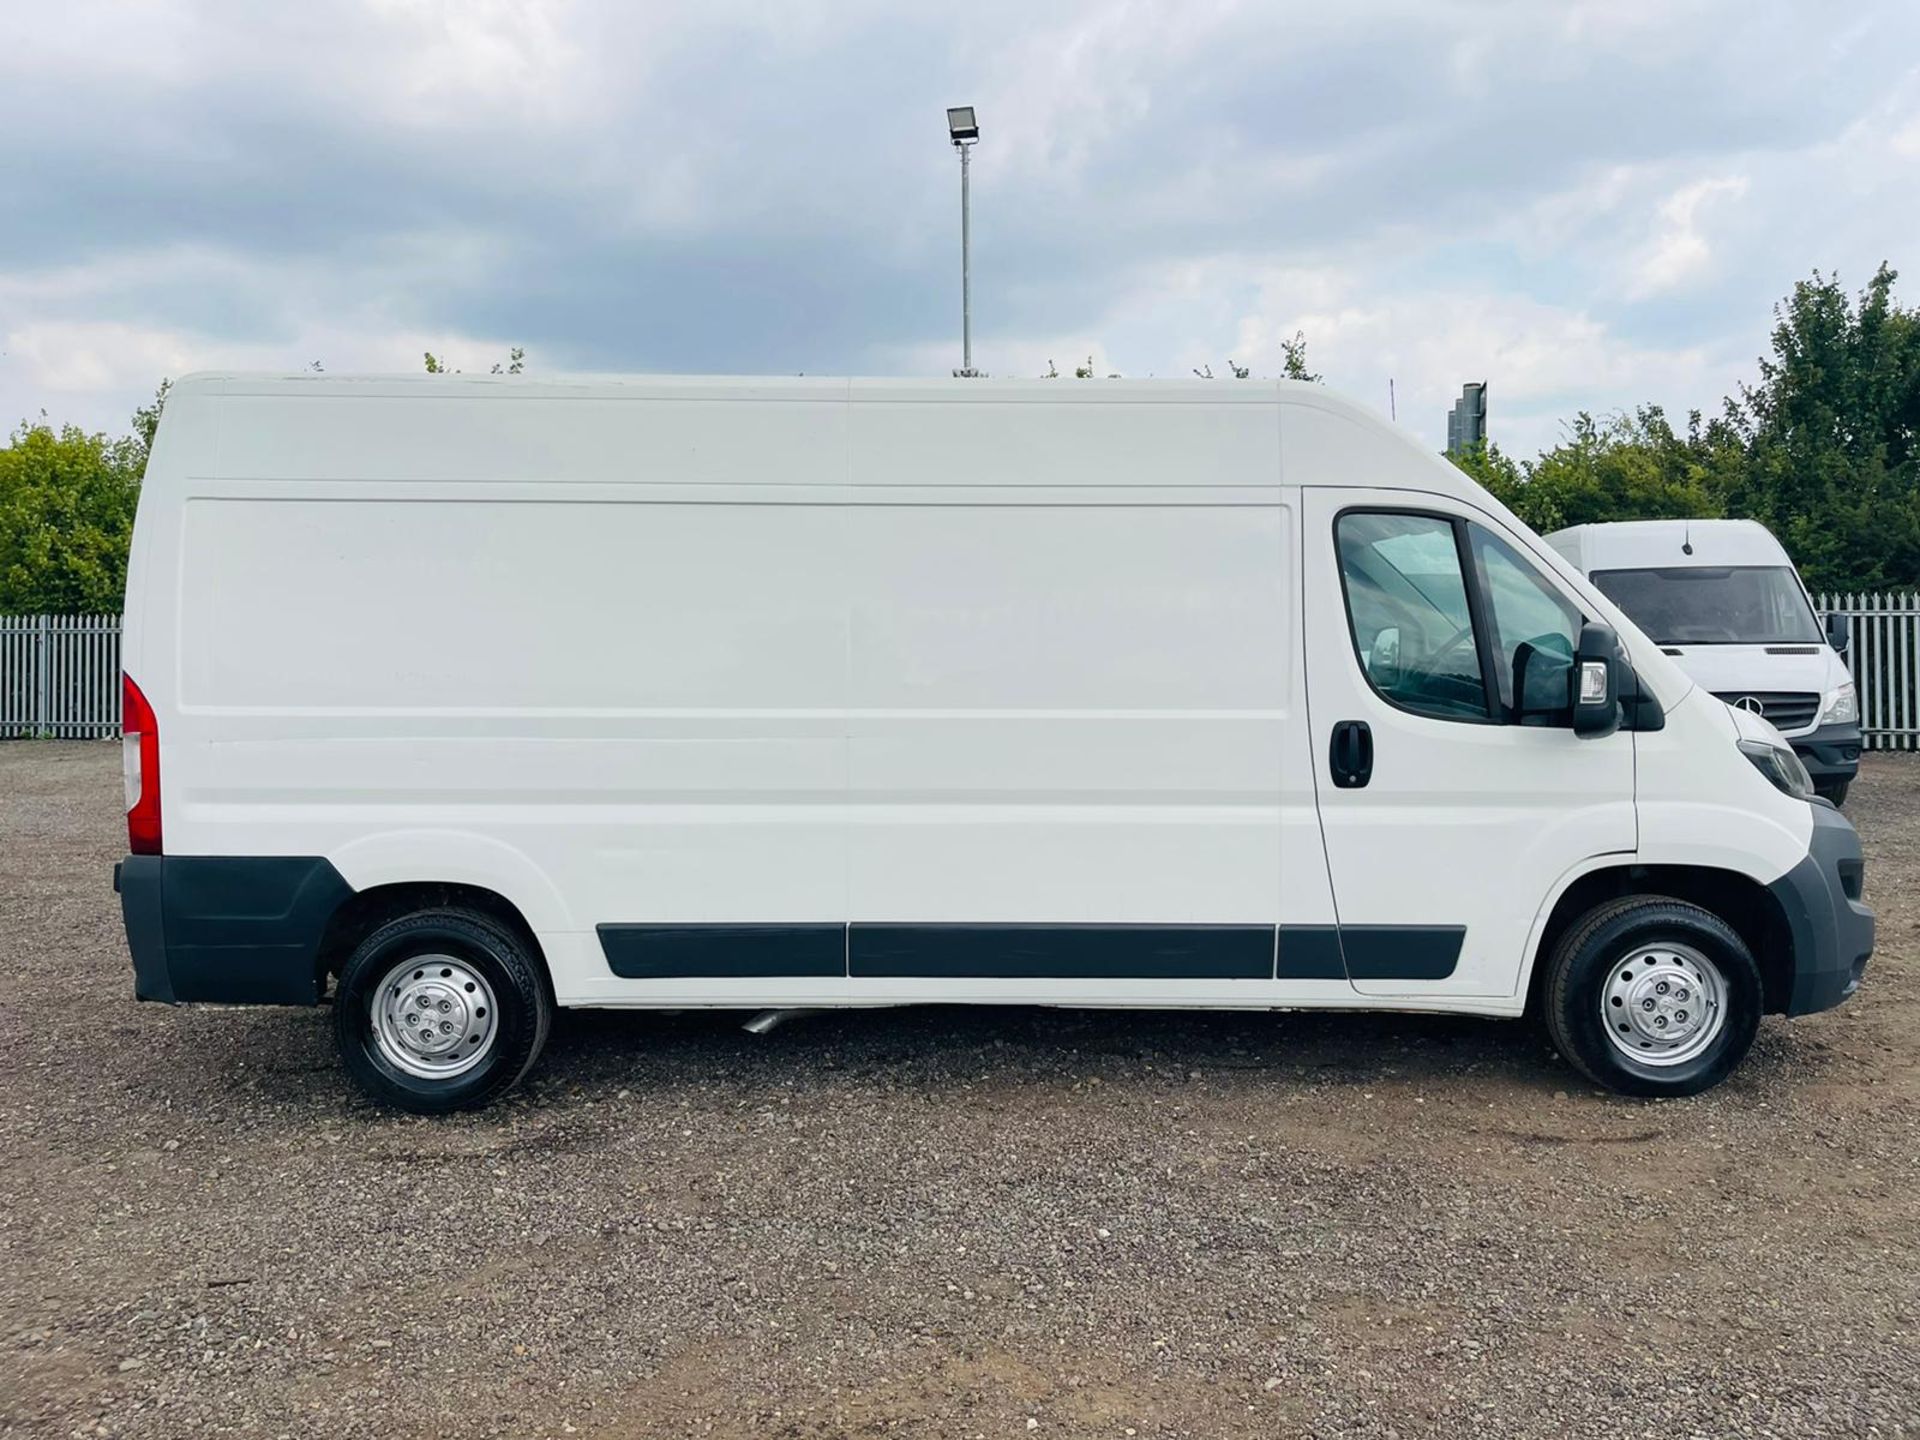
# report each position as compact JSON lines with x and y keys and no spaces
{"x":453,"y":700}
{"x":1723,"y":599}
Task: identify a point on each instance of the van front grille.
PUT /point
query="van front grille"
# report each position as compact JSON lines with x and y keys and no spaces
{"x":1782,"y":709}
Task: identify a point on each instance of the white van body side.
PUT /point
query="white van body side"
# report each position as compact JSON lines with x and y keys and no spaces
{"x":725,"y":653}
{"x":828,"y":692}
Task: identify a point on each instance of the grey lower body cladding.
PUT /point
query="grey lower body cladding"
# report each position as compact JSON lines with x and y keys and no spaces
{"x":1031,"y":952}
{"x":244,"y":930}
{"x":247,"y":930}
{"x":1832,"y":929}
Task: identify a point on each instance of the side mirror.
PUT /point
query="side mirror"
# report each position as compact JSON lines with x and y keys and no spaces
{"x":1383,"y":658}
{"x":1839,"y":631}
{"x":1543,"y":680}
{"x":1597,"y":670}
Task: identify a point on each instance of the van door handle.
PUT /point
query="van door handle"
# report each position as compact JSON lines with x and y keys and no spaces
{"x":1352,"y":754}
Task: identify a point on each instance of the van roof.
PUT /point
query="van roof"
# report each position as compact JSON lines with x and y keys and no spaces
{"x":238,"y":382}
{"x":1371,"y":445}
{"x":1663,"y":544}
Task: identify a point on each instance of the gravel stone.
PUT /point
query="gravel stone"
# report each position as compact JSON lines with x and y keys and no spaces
{"x":945,"y":1222}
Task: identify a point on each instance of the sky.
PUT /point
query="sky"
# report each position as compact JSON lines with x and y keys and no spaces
{"x":1590,"y":206}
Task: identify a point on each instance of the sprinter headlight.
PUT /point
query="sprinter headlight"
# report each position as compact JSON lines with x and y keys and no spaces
{"x":1781,"y":767}
{"x":1842,"y":707}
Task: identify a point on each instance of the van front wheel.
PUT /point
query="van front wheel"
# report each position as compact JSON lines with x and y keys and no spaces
{"x":440,"y":1010}
{"x":1653,"y":996}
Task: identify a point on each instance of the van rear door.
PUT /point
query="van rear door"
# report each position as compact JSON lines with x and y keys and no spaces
{"x":1453,"y":793}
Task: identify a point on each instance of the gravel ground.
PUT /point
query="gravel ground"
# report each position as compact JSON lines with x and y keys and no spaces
{"x":938,"y":1222}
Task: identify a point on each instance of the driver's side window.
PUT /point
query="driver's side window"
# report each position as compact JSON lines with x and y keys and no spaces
{"x":1535,"y":632}
{"x":1407,"y":606}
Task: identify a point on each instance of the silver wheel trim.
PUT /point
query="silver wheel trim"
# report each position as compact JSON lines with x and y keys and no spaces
{"x":434,"y":1017}
{"x":1663,"y":1004}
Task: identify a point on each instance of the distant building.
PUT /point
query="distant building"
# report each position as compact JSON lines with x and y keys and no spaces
{"x":1467,"y":420}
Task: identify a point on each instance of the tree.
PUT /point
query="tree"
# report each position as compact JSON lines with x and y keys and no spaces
{"x":1622,"y":467}
{"x":1824,"y":449}
{"x":1293,"y":365}
{"x":1293,"y":358}
{"x":515,"y":363}
{"x":66,"y":516}
{"x":146,"y":421}
{"x":1832,"y":431}
{"x":1504,"y":480}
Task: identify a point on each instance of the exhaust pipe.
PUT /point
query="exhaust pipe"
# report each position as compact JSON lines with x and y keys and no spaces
{"x":769,"y":1020}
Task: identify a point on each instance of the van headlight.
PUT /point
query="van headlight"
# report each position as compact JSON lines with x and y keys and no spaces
{"x":1842,"y":707}
{"x":1781,"y":767}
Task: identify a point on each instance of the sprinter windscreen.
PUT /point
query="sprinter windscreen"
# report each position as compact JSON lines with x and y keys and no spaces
{"x":1714,"y":605}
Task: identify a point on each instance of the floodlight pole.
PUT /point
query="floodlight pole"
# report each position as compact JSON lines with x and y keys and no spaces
{"x":963,"y":129}
{"x":966,"y":261}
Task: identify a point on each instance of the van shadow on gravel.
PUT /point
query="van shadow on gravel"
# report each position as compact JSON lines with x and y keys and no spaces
{"x":931,"y":1044}
{"x":286,"y":1057}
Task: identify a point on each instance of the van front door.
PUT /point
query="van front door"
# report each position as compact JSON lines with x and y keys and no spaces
{"x":1453,"y":792}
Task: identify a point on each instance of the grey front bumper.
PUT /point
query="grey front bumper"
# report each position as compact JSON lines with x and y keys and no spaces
{"x":1830,"y":753}
{"x":1832,"y":930}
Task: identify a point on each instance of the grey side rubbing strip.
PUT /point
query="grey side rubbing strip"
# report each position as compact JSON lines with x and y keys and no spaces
{"x":1062,"y":952}
{"x":1401,"y":952}
{"x":1310,"y":952}
{"x":1032,"y":952}
{"x":676,"y":952}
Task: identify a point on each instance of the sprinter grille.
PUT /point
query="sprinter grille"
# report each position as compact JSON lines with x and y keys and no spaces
{"x":1782,"y":709}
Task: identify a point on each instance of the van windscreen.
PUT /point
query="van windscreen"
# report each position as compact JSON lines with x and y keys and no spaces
{"x":1709,"y":605}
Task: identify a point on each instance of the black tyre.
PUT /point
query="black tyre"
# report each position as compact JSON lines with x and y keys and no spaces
{"x":1652,"y":996}
{"x":1834,"y":790}
{"x":441,"y":1010}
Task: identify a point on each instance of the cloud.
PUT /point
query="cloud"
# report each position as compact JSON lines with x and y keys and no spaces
{"x":1679,"y":251}
{"x":1586,"y":204}
{"x":85,"y":358}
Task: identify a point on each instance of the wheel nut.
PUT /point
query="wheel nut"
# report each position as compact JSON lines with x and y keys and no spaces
{"x":1661,"y":1021}
{"x":1661,"y":988}
{"x":1647,"y":1004}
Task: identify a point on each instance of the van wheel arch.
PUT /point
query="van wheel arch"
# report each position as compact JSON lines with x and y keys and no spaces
{"x":1744,"y":904}
{"x":369,"y":909}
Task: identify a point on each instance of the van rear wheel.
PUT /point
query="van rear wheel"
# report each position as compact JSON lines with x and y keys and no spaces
{"x":1653,"y":996}
{"x":441,"y":1010}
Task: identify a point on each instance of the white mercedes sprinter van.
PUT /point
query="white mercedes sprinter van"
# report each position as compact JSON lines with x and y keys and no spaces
{"x":452,"y":700}
{"x":1723,"y":599}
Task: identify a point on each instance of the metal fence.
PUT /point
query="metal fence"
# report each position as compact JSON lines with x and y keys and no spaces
{"x":1885,"y":660}
{"x":60,"y":676}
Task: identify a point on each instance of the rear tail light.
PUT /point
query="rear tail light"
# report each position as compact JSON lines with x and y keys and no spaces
{"x":140,"y":765}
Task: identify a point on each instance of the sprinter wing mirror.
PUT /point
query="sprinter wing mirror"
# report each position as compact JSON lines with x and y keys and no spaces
{"x":1597,"y":672}
{"x":1839,"y":631}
